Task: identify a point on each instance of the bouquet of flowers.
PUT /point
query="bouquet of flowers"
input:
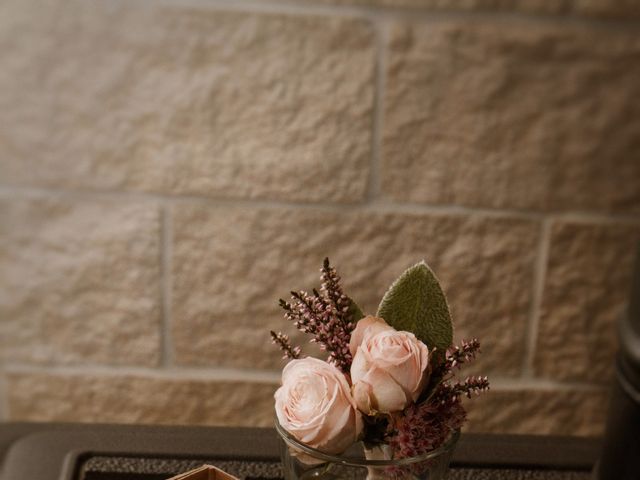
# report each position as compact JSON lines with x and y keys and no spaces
{"x":388,"y":380}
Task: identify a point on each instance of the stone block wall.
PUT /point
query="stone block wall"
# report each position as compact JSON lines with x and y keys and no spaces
{"x":168,"y":170}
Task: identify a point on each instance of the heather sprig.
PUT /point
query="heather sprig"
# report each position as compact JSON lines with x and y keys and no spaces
{"x":423,"y":427}
{"x":426,"y":425}
{"x":282,"y":340}
{"x":332,"y":290}
{"x":456,"y":356}
{"x":449,"y":392}
{"x":326,"y":315}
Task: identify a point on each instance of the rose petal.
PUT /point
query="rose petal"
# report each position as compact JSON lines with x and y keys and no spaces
{"x":359,"y":366}
{"x":315,"y":405}
{"x":426,"y":370}
{"x":362,"y":394}
{"x":366,"y":327}
{"x":408,"y":371}
{"x":386,"y":395}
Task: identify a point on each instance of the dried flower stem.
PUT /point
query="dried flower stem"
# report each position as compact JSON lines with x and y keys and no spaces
{"x":283,"y":342}
{"x":332,"y":290}
{"x":459,"y":355}
{"x":424,"y":427}
{"x":325,"y":315}
{"x":451,"y":392}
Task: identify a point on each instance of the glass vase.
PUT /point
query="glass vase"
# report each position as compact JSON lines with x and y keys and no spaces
{"x":300,"y":462}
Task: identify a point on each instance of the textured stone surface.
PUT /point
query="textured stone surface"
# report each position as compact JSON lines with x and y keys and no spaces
{"x":622,"y":9}
{"x":587,"y":286}
{"x":498,"y":115}
{"x":194,"y":101}
{"x":79,"y":282}
{"x":138,"y":399}
{"x":184,"y":401}
{"x":516,"y":113}
{"x":232,"y":264}
{"x":3,"y":397}
{"x":539,"y":412}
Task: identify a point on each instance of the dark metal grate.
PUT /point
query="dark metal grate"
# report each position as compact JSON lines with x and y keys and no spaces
{"x":140,"y":468}
{"x":137,"y":468}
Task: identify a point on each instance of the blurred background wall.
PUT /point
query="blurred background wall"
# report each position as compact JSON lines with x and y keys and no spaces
{"x":170,"y":169}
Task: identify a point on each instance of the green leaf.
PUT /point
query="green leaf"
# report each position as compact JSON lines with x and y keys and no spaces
{"x":434,"y":380}
{"x":416,"y":303}
{"x":355,"y":311}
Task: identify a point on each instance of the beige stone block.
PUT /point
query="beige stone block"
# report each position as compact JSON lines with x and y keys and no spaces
{"x":587,"y":287}
{"x":3,"y":397}
{"x":161,"y":399}
{"x":194,"y":100}
{"x":622,"y":9}
{"x":232,"y":264}
{"x":539,"y":412}
{"x":516,"y":116}
{"x":79,"y":281}
{"x":138,"y":399}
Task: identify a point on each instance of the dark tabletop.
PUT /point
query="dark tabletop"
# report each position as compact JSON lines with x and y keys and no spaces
{"x":121,"y":452}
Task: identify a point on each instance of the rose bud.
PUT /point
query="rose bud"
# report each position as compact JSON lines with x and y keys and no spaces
{"x":365,"y":328}
{"x":389,"y":370}
{"x":314,"y":404}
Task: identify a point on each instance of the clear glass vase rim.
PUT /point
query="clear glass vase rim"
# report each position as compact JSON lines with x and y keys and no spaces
{"x":292,"y":441}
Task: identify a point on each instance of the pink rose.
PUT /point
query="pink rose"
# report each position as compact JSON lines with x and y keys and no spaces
{"x":314,"y":404}
{"x":389,"y":369}
{"x":365,"y":328}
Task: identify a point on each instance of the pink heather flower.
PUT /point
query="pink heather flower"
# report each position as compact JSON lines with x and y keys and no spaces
{"x":425,"y":427}
{"x":325,"y":315}
{"x":458,"y":355}
{"x":282,"y":340}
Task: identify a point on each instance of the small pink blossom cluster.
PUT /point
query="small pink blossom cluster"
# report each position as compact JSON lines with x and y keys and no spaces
{"x":423,"y":427}
{"x":438,"y":419}
{"x":326,"y":315}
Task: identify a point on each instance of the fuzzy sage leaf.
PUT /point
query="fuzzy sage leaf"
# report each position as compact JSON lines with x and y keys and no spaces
{"x":355,"y":312}
{"x":416,"y":303}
